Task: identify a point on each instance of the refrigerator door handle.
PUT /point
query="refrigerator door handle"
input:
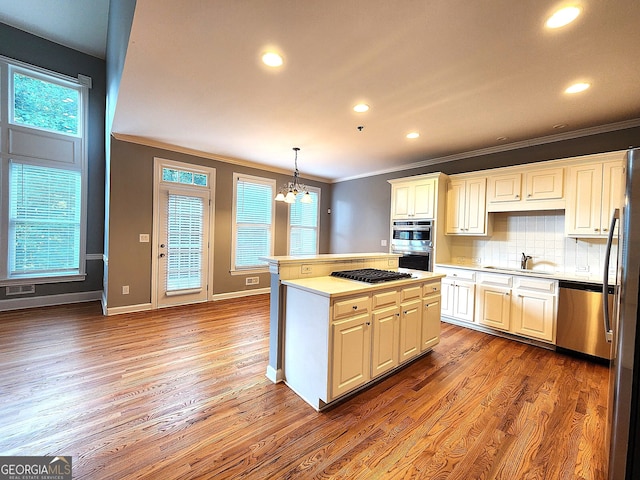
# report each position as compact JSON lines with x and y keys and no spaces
{"x":608,"y":332}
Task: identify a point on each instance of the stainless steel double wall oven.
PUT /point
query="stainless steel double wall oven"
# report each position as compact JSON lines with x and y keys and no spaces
{"x":413,"y":239}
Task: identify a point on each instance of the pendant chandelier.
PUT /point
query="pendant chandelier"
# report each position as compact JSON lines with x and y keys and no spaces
{"x":291,"y":190}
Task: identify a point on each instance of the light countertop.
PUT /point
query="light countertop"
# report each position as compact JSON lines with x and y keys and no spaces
{"x":586,"y":278}
{"x":326,"y":257}
{"x":329,"y":286}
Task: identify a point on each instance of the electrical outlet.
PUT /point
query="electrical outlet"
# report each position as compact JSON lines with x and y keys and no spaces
{"x":305,"y":269}
{"x":383,"y":243}
{"x":125,"y":289}
{"x":252,"y":281}
{"x":144,"y":238}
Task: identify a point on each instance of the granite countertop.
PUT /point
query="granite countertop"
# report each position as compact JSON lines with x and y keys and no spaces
{"x":585,"y":278}
{"x":329,"y":286}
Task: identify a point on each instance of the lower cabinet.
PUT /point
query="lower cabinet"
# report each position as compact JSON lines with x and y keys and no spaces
{"x":493,"y":306}
{"x":524,"y":306}
{"x":333,"y":347}
{"x":351,"y":360}
{"x":430,"y":321}
{"x":458,"y":295}
{"x":385,"y":340}
{"x":534,"y":314}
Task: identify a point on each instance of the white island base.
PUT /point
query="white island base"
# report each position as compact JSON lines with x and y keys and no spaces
{"x":340,"y":335}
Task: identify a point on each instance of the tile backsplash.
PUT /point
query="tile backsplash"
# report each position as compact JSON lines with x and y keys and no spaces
{"x":538,"y":234}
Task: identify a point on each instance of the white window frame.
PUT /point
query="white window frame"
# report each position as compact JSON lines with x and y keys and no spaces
{"x":76,"y":161}
{"x":317,"y":227}
{"x":234,"y":227}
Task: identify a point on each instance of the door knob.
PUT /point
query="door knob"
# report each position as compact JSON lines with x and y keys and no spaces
{"x":162,"y":255}
{"x":162,"y":245}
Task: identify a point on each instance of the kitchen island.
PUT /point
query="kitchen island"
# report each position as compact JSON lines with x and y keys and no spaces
{"x":340,"y":334}
{"x":308,"y":266}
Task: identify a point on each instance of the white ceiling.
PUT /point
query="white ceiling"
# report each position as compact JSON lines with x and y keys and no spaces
{"x":81,"y":25}
{"x":461,"y":73}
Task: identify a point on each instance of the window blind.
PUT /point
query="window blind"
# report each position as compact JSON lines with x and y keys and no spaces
{"x":253,"y":232}
{"x":184,"y":242}
{"x":44,"y":220}
{"x":303,"y":227}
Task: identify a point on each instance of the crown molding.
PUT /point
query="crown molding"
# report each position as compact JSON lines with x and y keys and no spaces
{"x":220,"y":158}
{"x":585,"y":132}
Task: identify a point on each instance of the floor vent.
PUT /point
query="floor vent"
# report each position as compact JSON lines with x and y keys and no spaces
{"x":20,"y":289}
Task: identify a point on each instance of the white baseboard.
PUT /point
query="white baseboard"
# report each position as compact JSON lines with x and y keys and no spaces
{"x":148,"y":306}
{"x":49,"y":300}
{"x":276,"y":376}
{"x":140,"y":307}
{"x":242,"y":293}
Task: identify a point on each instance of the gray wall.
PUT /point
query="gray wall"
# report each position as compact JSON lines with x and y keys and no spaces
{"x":361,"y":208}
{"x":131,"y":213}
{"x":34,"y":50}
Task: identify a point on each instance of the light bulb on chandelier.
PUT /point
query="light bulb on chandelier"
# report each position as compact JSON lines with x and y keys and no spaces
{"x":289,"y":192}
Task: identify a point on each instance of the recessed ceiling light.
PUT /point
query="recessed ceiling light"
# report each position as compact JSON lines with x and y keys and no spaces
{"x":577,"y":87}
{"x":413,"y":135}
{"x":272,"y":59}
{"x":563,"y":17}
{"x":361,"y":108}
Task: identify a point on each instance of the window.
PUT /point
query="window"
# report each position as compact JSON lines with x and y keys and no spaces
{"x":303,"y":225}
{"x":253,"y":208}
{"x":43,"y":172}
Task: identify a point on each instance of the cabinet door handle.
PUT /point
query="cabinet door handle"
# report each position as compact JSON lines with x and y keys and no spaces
{"x":506,"y":293}
{"x":435,"y":289}
{"x":596,"y":229}
{"x":528,"y":194}
{"x":517,"y":196}
{"x":368,"y":323}
{"x":355,"y":307}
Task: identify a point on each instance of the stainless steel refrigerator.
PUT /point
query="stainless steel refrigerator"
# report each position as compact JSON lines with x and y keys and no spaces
{"x":623,"y":432}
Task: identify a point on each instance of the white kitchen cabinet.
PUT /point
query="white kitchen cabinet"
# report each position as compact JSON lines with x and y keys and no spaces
{"x":504,"y":188}
{"x":533,"y":308}
{"x":466,"y":207}
{"x":430,"y":332}
{"x":544,"y":184}
{"x":414,"y":199}
{"x":385,"y":336}
{"x":458,"y":294}
{"x":594,"y":190}
{"x":336,"y":343}
{"x":351,"y":359}
{"x":410,"y":323}
{"x":493,"y":303}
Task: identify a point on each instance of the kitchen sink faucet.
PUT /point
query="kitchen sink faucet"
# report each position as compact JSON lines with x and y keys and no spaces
{"x":523,"y":261}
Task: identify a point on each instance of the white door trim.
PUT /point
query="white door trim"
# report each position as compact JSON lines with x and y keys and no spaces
{"x":158,"y":164}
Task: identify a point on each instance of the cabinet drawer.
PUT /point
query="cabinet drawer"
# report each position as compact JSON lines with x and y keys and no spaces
{"x":462,"y":275}
{"x":350,"y":306}
{"x":410,"y":293}
{"x":431,"y":288}
{"x":495,"y":279}
{"x":536,"y":284}
{"x":384,"y":299}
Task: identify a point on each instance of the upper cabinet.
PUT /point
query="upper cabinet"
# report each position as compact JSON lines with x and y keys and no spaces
{"x":466,"y":211}
{"x":525,"y":189}
{"x":414,"y":199}
{"x":594,"y":190}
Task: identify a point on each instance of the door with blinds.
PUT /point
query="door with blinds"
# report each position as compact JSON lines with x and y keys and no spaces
{"x":182,"y":241}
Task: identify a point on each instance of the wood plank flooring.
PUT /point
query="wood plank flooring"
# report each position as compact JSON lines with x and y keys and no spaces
{"x":181,"y":393}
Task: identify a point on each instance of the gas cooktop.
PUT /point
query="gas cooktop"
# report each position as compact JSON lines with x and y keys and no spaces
{"x":371,"y":275}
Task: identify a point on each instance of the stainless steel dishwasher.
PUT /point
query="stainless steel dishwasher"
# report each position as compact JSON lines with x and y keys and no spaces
{"x":580,"y":319}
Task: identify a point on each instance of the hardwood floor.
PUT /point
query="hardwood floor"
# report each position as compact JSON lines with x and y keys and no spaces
{"x":181,"y":393}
